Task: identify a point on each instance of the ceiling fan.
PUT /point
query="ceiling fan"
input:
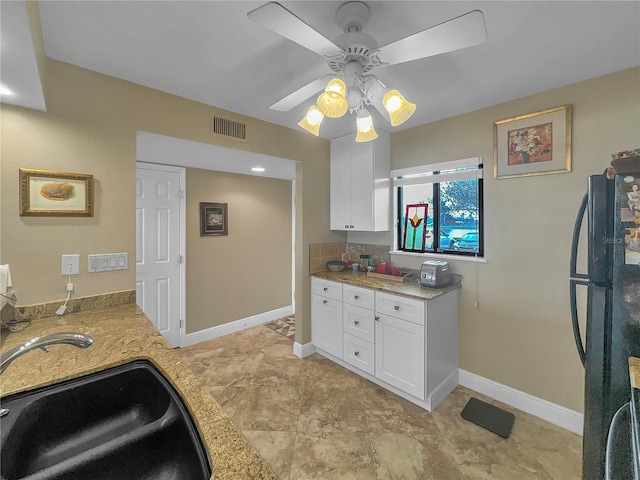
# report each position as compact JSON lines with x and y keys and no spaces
{"x":354,"y":54}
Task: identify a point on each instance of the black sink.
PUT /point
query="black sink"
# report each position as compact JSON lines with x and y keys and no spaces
{"x":123,"y":423}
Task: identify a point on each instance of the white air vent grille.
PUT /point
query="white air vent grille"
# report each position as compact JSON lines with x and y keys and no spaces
{"x":228,"y":128}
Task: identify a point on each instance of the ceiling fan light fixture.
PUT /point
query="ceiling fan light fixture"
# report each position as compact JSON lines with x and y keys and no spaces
{"x":365,"y":130}
{"x":312,"y":120}
{"x":332,"y":102}
{"x":398,"y":107}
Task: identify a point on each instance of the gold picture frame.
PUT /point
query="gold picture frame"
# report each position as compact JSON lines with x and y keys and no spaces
{"x":45,"y":193}
{"x":537,"y":143}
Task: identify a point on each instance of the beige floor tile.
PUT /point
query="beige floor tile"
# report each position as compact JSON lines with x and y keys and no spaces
{"x":274,"y":408}
{"x":276,"y":448}
{"x":413,"y":457}
{"x":333,"y":456}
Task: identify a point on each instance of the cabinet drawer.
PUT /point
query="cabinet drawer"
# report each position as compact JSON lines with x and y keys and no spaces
{"x":358,"y":321}
{"x":326,"y":288}
{"x":400,"y":307}
{"x":358,"y":296}
{"x":358,"y":353}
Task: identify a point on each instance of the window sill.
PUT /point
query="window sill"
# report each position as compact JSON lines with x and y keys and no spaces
{"x":440,"y":256}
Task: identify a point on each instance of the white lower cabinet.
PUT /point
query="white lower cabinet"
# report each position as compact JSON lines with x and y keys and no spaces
{"x":406,"y":345}
{"x":400,"y":354}
{"x":326,"y":317}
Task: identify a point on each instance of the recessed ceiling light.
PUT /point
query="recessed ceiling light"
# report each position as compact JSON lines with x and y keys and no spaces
{"x":257,"y":169}
{"x":5,"y":90}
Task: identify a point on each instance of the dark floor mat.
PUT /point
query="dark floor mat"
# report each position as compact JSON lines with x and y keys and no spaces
{"x":488,"y":416}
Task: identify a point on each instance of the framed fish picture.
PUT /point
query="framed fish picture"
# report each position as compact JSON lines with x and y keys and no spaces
{"x":55,"y":194}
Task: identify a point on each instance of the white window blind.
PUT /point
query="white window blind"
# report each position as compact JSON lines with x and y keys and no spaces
{"x":464,"y":169}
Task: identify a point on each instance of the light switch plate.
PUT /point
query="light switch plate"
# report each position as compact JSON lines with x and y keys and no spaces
{"x":70,"y":264}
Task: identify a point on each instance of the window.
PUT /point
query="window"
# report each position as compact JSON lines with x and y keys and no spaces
{"x":452,"y":192}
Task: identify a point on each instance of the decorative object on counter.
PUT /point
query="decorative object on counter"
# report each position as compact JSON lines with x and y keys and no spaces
{"x":355,"y":267}
{"x":45,"y":193}
{"x":214,"y":219}
{"x":537,"y":143}
{"x":382,"y":267}
{"x":415,"y":227}
{"x":336,"y":265}
{"x":364,"y":262}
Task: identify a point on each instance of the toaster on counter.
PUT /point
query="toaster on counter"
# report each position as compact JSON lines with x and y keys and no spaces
{"x":435,"y":273}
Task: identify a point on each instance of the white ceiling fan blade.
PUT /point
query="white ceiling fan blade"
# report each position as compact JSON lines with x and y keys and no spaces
{"x":300,"y":95}
{"x":461,"y":32}
{"x":275,"y":17}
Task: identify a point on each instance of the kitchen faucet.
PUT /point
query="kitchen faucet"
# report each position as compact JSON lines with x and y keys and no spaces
{"x":77,"y":339}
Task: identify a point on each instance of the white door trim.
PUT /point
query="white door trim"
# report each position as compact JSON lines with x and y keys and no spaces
{"x":183,"y":241}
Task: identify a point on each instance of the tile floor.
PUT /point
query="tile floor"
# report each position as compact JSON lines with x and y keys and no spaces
{"x":312,"y":419}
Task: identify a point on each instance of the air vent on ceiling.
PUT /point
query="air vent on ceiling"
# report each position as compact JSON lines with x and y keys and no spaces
{"x":228,"y":128}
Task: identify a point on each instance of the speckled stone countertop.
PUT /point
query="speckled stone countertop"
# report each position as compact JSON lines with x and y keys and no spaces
{"x":411,"y":289}
{"x":122,"y":334}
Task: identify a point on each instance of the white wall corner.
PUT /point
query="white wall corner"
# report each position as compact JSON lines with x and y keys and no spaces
{"x":538,"y":407}
{"x":303,"y":351}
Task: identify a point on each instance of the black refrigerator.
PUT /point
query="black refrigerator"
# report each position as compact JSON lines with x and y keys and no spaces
{"x":612,"y":333}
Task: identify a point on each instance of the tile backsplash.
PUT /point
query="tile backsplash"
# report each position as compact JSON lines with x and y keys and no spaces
{"x":321,"y":253}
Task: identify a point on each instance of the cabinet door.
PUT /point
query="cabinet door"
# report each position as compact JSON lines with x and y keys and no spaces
{"x":362,"y":184}
{"x":399,"y":354}
{"x":340,"y":186}
{"x":326,"y":324}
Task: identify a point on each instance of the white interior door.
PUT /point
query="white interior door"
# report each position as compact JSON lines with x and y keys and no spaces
{"x":159,"y":254}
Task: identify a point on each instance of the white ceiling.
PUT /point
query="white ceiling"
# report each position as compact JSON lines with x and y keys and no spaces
{"x":211,"y":52}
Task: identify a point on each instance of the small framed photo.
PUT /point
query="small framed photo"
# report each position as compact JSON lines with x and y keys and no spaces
{"x":214,"y":219}
{"x":537,"y":143}
{"x":55,"y":194}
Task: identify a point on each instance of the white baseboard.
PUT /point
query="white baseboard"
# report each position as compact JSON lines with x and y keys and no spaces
{"x":227,"y":328}
{"x":551,"y":412}
{"x":303,"y":351}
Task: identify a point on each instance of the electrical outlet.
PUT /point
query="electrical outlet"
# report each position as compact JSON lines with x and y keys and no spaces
{"x":70,"y":264}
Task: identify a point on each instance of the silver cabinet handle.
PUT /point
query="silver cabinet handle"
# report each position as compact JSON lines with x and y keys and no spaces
{"x":351,"y":226}
{"x":324,"y":301}
{"x":346,"y":226}
{"x":356,"y":322}
{"x":377,"y":318}
{"x":356,"y":353}
{"x":397,"y":307}
{"x":325,"y":289}
{"x":356,"y":297}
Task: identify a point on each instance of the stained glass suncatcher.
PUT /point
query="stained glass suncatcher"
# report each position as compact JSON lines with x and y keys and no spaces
{"x":415,"y":227}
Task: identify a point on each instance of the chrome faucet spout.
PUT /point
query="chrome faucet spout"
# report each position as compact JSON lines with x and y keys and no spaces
{"x":76,"y":339}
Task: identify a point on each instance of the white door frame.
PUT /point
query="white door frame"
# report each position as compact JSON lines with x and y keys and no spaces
{"x":183,"y":241}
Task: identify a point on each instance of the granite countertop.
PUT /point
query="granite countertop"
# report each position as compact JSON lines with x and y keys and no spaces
{"x":634,"y":372}
{"x":411,"y":289}
{"x":122,"y":334}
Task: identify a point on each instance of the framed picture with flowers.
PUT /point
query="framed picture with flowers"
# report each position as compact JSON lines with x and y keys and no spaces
{"x":537,"y":143}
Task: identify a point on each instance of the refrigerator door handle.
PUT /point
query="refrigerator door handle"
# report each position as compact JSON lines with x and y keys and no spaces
{"x":574,"y":319}
{"x":576,"y":237}
{"x":577,"y":278}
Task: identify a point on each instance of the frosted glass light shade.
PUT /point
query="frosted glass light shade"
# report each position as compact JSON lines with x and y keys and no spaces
{"x":333,"y":102}
{"x":365,"y":132}
{"x":312,"y":120}
{"x":398,"y":107}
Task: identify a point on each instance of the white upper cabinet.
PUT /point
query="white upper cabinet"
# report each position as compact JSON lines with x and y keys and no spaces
{"x":360,"y":185}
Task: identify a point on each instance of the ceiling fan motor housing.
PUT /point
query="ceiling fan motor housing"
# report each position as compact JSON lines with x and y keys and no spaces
{"x":353,"y":16}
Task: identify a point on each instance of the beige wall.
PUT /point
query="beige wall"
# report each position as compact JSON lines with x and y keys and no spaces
{"x":248,"y":271}
{"x":90,"y":127}
{"x":520,"y":334}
